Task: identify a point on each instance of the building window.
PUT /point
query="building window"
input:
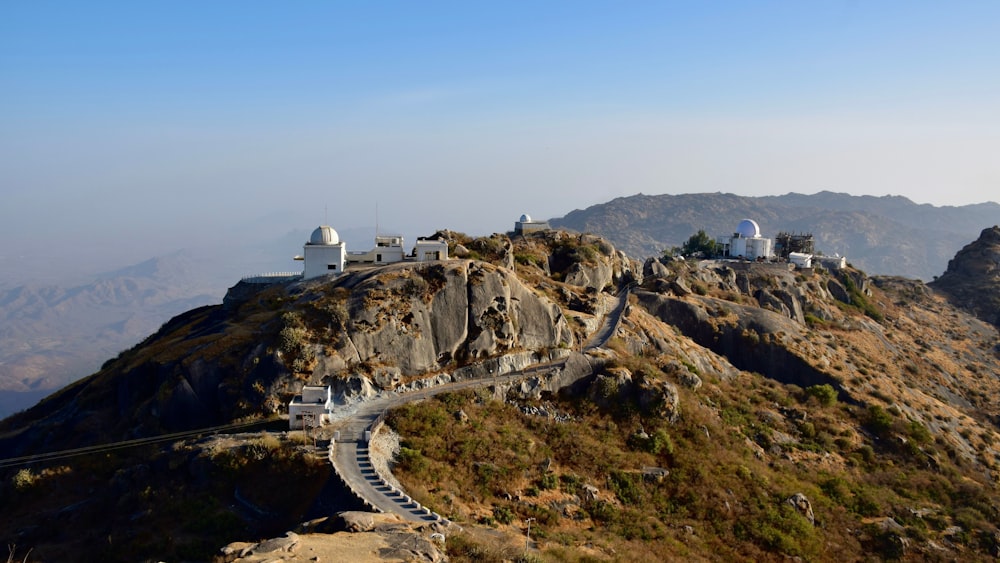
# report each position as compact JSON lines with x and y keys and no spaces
{"x":331,"y":266}
{"x":378,"y":257}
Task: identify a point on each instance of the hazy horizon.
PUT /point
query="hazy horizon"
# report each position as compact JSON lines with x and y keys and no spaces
{"x":131,"y":130}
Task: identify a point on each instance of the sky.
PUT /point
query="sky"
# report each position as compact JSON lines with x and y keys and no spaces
{"x":131,"y":129}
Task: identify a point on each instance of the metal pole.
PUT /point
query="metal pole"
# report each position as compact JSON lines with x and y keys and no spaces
{"x":527,"y":539}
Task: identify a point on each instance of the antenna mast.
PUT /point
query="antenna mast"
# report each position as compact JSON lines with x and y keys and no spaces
{"x":376,"y":218}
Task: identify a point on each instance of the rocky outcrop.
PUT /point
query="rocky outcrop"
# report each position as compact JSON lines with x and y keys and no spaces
{"x":618,"y":386}
{"x":750,"y":338}
{"x":360,"y":537}
{"x":422,"y":317}
{"x":972,"y":280}
{"x":801,"y":504}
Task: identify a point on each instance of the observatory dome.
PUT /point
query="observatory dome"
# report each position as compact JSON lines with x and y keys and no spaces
{"x":748,"y":228}
{"x":324,"y":235}
{"x":525,"y":218}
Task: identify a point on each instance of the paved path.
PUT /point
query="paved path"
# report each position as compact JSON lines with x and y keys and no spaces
{"x":351,"y":459}
{"x":611,"y":320}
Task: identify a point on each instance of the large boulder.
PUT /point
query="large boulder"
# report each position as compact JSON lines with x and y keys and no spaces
{"x":801,"y":504}
{"x":419,"y":318}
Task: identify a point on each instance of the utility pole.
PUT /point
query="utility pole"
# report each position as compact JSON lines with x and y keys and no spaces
{"x":527,"y":539}
{"x":307,"y":417}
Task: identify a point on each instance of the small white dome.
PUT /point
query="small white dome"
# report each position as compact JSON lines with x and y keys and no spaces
{"x":748,"y":228}
{"x":324,"y":235}
{"x":525,"y":218}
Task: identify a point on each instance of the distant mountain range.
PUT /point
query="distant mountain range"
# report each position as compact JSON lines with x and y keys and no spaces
{"x":880,"y":235}
{"x":52,"y":335}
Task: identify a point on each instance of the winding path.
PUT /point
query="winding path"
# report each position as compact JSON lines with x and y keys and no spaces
{"x":349,"y":453}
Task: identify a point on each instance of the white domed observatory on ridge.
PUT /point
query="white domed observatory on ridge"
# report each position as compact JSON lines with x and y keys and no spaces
{"x":526,"y":225}
{"x":746,"y":242}
{"x":323,"y":254}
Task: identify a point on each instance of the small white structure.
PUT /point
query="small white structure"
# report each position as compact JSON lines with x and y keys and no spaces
{"x":312,"y":406}
{"x":834,"y":262}
{"x":526,"y":225}
{"x":746,"y":242}
{"x":427,"y":249}
{"x":800,"y":260}
{"x":388,"y":249}
{"x":324,"y":253}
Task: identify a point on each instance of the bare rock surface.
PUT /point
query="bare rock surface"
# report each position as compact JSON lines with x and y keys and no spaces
{"x":403,"y":544}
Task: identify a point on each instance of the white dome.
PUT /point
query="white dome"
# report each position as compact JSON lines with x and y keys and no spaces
{"x":748,"y":228}
{"x":525,"y":218}
{"x":324,"y":235}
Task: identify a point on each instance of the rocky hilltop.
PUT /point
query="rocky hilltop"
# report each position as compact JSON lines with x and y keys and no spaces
{"x":881,"y":235}
{"x":728,"y":410}
{"x":972,"y":280}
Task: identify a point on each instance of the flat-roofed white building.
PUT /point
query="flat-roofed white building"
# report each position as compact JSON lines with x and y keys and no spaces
{"x":801,"y":260}
{"x":834,"y":262}
{"x":312,"y":406}
{"x":388,"y":250}
{"x":427,"y":249}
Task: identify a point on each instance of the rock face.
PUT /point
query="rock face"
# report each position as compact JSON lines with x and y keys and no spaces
{"x":358,"y":537}
{"x":972,"y":280}
{"x":749,"y":337}
{"x":421,"y":317}
{"x":802,"y":505}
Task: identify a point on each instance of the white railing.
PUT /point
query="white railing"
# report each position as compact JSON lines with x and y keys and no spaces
{"x":270,"y":277}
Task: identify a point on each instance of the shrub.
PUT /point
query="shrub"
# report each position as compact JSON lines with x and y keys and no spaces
{"x":548,"y":482}
{"x":503,"y":514}
{"x":919,"y":433}
{"x":878,"y":419}
{"x":825,"y":394}
{"x":626,"y":486}
{"x":24,"y":479}
{"x":813,"y":320}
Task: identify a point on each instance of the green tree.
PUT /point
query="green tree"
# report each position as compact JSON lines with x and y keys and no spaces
{"x":699,"y":243}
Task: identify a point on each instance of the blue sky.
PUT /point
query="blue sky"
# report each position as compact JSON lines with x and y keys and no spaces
{"x":134,"y":128}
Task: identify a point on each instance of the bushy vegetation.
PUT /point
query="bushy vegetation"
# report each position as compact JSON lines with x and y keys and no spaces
{"x":699,"y":245}
{"x":859,"y":300}
{"x":491,"y":469}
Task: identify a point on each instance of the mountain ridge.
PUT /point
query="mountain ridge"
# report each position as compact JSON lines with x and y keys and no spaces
{"x":888,"y":235}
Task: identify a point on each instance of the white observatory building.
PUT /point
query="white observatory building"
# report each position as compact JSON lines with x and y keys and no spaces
{"x":324,"y":254}
{"x":746,"y":243}
{"x":527,"y":225}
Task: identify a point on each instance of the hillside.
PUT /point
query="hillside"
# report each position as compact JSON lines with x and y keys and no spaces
{"x":888,"y":235}
{"x":740,"y":411}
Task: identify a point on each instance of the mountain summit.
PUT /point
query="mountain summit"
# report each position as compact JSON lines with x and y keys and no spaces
{"x":972,"y":280}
